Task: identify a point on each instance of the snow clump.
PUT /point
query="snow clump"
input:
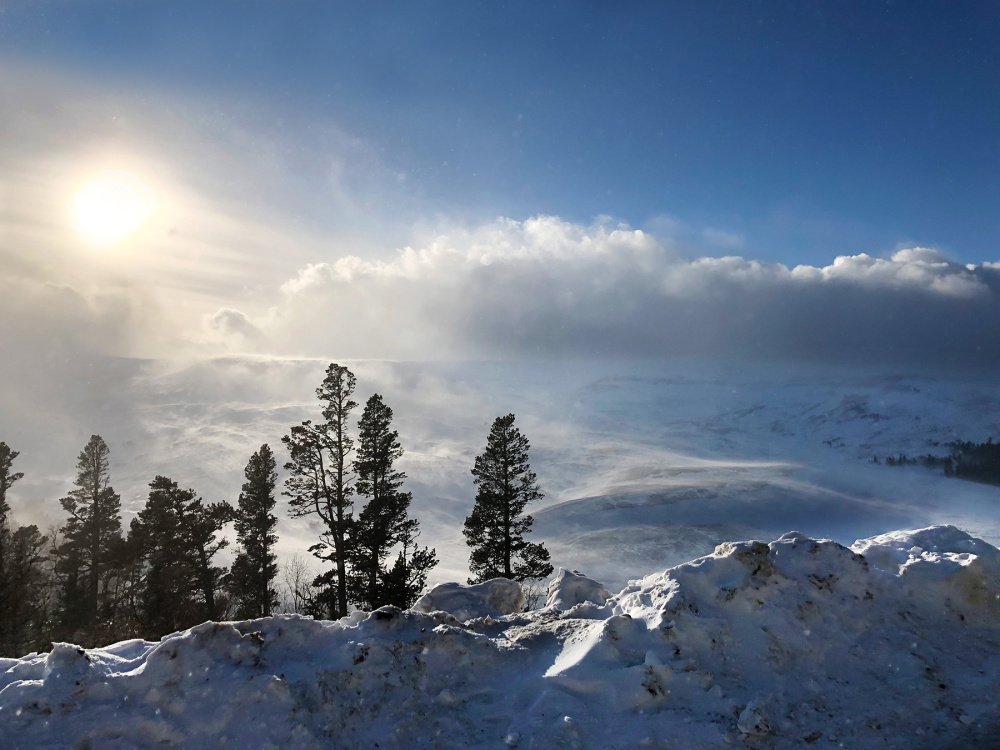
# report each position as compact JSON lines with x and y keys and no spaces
{"x":571,"y":587}
{"x":494,"y":598}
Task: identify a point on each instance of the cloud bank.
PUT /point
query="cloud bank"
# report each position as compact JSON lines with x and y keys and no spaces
{"x":235,"y":260}
{"x":546,"y":287}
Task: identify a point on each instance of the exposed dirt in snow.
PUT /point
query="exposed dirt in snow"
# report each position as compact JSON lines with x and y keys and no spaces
{"x":894,"y":643}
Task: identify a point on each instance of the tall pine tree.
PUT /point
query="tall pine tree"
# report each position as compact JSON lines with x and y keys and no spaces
{"x":320,"y":481}
{"x":251,"y":578}
{"x":383,"y":523}
{"x":495,"y":530}
{"x":93,"y":528}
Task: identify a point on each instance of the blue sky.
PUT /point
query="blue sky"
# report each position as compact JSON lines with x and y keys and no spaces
{"x":799,"y":131}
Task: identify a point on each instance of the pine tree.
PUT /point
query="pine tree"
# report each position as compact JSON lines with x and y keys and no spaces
{"x":406,"y":579}
{"x":495,"y":530}
{"x":176,"y":532}
{"x":320,"y":481}
{"x":93,"y":527}
{"x":199,"y":525}
{"x":7,"y":479}
{"x":383,"y":523}
{"x":22,"y":616}
{"x":255,"y":567}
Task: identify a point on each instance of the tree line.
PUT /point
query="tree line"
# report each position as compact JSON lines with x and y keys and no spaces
{"x":92,"y":581}
{"x":977,"y":462}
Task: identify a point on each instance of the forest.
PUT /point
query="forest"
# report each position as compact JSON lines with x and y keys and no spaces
{"x":976,"y":462}
{"x":91,"y":581}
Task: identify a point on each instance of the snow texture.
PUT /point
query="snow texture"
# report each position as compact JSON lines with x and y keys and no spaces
{"x":493,"y":598}
{"x":894,"y":643}
{"x":571,"y":587}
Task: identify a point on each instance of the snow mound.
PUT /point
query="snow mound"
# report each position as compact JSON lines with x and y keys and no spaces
{"x":892,"y":644}
{"x":493,"y":598}
{"x":571,"y":587}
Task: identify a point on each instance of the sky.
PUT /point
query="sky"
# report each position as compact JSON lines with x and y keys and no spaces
{"x":814,"y":181}
{"x":194,"y":195}
{"x":794,"y":131}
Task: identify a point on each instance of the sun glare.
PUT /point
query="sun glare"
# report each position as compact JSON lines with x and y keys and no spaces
{"x":112,"y":207}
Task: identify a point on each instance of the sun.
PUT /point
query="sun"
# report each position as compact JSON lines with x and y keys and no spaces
{"x":111,"y":208}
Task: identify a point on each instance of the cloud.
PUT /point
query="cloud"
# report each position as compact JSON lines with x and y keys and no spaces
{"x":218,"y":270}
{"x":548,"y":287}
{"x":245,"y":192}
{"x":228,"y":323}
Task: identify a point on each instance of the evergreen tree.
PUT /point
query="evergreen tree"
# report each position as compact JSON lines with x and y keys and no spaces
{"x":199,"y":525}
{"x":383,"y":524}
{"x":406,"y":579}
{"x":495,"y":530}
{"x":320,"y":482}
{"x":7,"y":479}
{"x":93,"y":527}
{"x":23,"y":611}
{"x":22,"y":577}
{"x":176,"y":532}
{"x":122,"y":601}
{"x":255,"y":567}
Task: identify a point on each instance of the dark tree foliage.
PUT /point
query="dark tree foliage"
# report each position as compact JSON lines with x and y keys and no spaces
{"x":383,"y":524}
{"x":93,"y":527}
{"x":23,"y":612}
{"x":495,"y":530}
{"x":979,"y":462}
{"x":175,"y":533}
{"x":250,"y":580}
{"x":7,"y":478}
{"x":405,"y":581}
{"x":122,"y":601}
{"x":320,"y":482}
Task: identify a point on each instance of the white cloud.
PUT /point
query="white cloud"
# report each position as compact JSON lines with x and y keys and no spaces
{"x":228,"y":323}
{"x":548,"y":286}
{"x":200,"y":276}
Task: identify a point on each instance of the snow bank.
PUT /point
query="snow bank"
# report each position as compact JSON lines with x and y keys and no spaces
{"x":571,"y":587}
{"x":797,"y":643}
{"x":494,"y":598}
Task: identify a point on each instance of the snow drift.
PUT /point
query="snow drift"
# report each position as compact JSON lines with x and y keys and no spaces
{"x":493,"y":598}
{"x":894,"y":642}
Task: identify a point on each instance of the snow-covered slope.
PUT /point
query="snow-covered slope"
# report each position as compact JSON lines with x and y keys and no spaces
{"x":643,"y":466}
{"x":894,"y":643}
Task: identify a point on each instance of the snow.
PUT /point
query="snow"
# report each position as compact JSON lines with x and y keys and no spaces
{"x":891,"y":643}
{"x":493,"y":598}
{"x":571,"y":587}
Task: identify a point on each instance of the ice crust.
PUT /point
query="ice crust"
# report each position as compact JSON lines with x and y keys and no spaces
{"x":892,"y":643}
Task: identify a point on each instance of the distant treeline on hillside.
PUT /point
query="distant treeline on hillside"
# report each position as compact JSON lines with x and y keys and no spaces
{"x":978,"y":462}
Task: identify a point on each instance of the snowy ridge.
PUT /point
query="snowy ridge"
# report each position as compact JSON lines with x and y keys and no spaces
{"x":894,"y":642}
